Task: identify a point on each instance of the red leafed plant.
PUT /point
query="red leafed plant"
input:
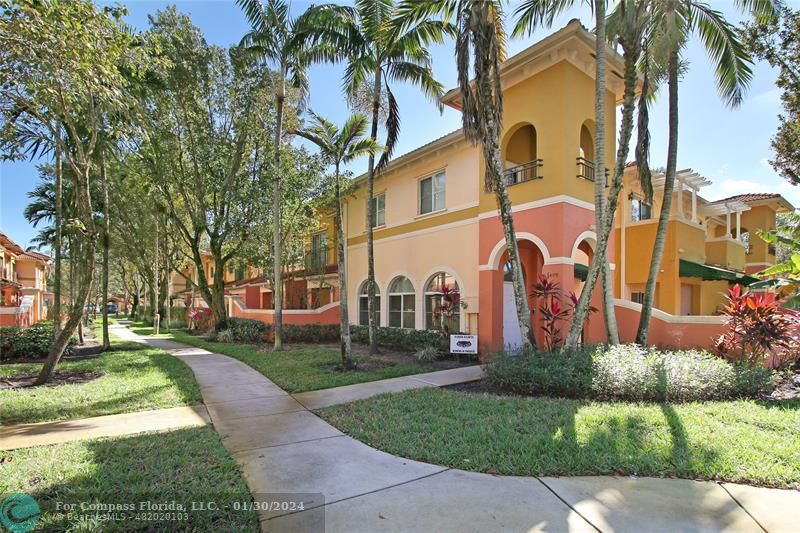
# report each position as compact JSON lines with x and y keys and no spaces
{"x":554,"y":313}
{"x":758,"y":327}
{"x":199,"y":318}
{"x":447,"y":307}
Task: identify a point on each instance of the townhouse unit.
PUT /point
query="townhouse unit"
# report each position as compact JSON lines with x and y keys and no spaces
{"x":436,"y":226}
{"x":23,"y":284}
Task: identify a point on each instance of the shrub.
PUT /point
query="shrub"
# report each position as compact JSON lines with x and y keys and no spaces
{"x":629,"y":372}
{"x":427,"y":354}
{"x":407,"y":340}
{"x":33,"y":341}
{"x":758,"y":327}
{"x":242,"y":330}
{"x":551,"y":374}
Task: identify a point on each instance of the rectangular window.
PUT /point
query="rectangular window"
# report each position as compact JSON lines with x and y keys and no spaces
{"x":363,"y":310}
{"x":319,"y":250}
{"x":640,"y":210}
{"x":431,"y":194}
{"x":401,"y":311}
{"x":637,"y":297}
{"x":379,"y":210}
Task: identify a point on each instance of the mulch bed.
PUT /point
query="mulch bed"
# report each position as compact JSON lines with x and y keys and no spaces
{"x":61,"y":377}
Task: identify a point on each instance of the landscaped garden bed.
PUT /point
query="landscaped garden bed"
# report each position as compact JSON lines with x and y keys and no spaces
{"x":176,"y":467}
{"x":595,"y":412}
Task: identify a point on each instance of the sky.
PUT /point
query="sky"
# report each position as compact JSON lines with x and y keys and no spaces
{"x":731,"y":147}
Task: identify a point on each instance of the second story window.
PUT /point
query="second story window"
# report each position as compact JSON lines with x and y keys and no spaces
{"x":319,"y":250}
{"x":431,"y":194}
{"x":640,"y":210}
{"x":379,"y":210}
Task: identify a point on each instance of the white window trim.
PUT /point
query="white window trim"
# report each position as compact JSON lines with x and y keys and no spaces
{"x":441,"y":172}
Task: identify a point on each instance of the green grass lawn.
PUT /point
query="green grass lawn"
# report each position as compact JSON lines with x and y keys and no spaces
{"x":297,"y":369}
{"x":135,"y":378}
{"x":740,"y":441}
{"x":183,"y":466}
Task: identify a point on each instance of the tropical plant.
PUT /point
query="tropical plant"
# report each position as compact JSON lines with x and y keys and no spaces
{"x":480,"y":48}
{"x":673,"y":23}
{"x":554,"y":310}
{"x":784,"y":276}
{"x":378,"y":52}
{"x":758,"y":327}
{"x":341,"y":146}
{"x":276,"y":37}
{"x":447,"y":307}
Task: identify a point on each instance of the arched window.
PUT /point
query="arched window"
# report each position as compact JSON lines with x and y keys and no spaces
{"x":442,"y":303}
{"x":363,"y":303}
{"x":401,"y":303}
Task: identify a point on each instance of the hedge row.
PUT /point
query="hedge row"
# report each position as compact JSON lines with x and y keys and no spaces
{"x":629,"y":372}
{"x":29,"y":342}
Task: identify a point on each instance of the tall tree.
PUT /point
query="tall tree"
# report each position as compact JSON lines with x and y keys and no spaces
{"x":340,"y":147}
{"x":533,"y":14}
{"x":674,"y":22}
{"x":53,"y":78}
{"x":276,"y":38}
{"x":205,"y":140}
{"x":778,"y":42}
{"x":480,"y":48}
{"x":378,"y":52}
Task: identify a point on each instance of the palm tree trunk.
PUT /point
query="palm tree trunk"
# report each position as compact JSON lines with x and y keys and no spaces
{"x":84,"y":213}
{"x":666,"y":205}
{"x":600,"y":257}
{"x":277,"y":266}
{"x":345,"y":342}
{"x":57,"y":244}
{"x":106,"y":243}
{"x":371,"y":311}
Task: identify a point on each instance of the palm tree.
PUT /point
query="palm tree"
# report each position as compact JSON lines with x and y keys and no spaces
{"x":276,"y":37}
{"x":532,"y":15}
{"x":377,"y":53}
{"x":674,"y":21}
{"x":480,"y":44}
{"x":340,"y":146}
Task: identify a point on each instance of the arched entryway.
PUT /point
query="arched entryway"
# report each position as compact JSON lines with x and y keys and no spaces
{"x":582,"y":255}
{"x":532,"y":259}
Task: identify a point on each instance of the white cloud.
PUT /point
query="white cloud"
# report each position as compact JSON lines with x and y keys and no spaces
{"x":770,"y":98}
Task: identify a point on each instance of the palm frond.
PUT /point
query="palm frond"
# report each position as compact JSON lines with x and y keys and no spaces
{"x":392,"y":130}
{"x":535,"y":14}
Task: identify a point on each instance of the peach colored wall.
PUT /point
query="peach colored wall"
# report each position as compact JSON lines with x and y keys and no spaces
{"x":694,"y":332}
{"x":324,"y":315}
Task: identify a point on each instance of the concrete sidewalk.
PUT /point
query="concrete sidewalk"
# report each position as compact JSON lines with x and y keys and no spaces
{"x":27,"y":435}
{"x":287,"y":453}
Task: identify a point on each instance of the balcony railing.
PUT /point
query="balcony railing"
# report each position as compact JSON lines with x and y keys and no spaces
{"x":525,"y":172}
{"x":586,"y":169}
{"x":318,"y":261}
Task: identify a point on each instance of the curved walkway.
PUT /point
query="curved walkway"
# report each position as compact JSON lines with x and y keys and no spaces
{"x":290,"y":456}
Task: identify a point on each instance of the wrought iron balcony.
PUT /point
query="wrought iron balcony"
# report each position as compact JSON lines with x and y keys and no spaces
{"x":524,"y":172}
{"x":586,"y":169}
{"x":319,"y":261}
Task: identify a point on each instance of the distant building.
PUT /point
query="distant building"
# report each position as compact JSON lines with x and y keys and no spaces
{"x":23,"y":284}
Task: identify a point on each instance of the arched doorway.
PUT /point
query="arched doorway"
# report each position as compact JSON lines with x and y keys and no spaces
{"x":532,"y":260}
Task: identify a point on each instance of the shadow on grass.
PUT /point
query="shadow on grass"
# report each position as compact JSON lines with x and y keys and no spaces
{"x":182,"y":466}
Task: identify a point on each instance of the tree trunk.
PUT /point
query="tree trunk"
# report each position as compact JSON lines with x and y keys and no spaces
{"x":277,"y":267}
{"x":58,"y":223}
{"x":666,"y":206}
{"x":345,"y":343}
{"x":106,"y":243}
{"x":371,"y":311}
{"x":218,"y":310}
{"x":600,"y":257}
{"x":83,"y":210}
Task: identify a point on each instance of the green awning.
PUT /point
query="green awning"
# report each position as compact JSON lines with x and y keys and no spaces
{"x":581,"y":271}
{"x":690,"y":269}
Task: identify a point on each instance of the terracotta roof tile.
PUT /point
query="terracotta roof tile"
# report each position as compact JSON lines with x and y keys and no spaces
{"x":750,"y":197}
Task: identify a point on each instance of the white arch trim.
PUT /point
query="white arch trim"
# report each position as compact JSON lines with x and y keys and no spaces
{"x":356,"y":300}
{"x":586,"y":235}
{"x":447,"y":270}
{"x":499,"y":248}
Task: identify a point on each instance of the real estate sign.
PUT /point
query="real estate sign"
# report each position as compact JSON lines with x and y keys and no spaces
{"x":464,"y":344}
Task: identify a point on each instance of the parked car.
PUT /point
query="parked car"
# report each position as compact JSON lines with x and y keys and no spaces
{"x":112,"y":308}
